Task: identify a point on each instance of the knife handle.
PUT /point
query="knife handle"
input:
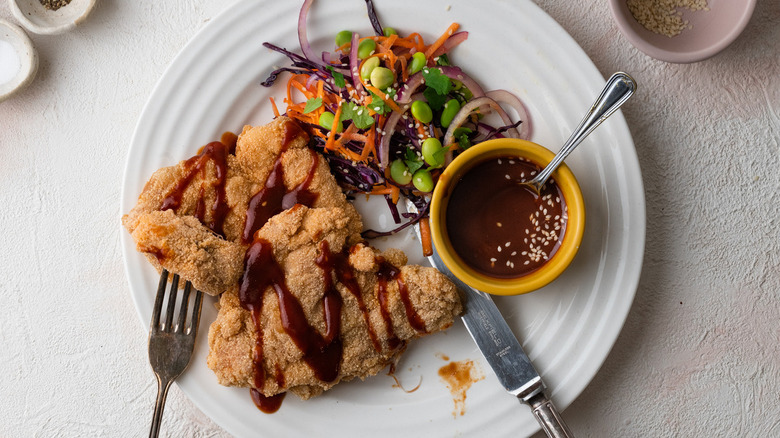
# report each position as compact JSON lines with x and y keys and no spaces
{"x":548,"y":417}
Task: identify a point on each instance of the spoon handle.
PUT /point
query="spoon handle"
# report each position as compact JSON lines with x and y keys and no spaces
{"x":616,"y":92}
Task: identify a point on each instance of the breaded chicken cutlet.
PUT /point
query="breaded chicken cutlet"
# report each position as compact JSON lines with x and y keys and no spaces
{"x":304,"y":303}
{"x":383,"y":303}
{"x":218,"y":188}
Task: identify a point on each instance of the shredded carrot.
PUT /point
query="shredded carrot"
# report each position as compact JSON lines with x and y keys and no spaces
{"x":273,"y":105}
{"x":329,"y":145}
{"x":381,"y":189}
{"x":412,"y":41}
{"x":395,"y":194}
{"x":425,"y":237}
{"x":384,"y":189}
{"x":320,"y":88}
{"x":368,"y":147}
{"x":436,"y":44}
{"x":404,"y":72}
{"x":345,"y":137}
{"x":390,"y":102}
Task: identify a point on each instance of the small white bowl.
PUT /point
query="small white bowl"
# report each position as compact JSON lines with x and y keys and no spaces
{"x":22,"y":55}
{"x":40,"y":20}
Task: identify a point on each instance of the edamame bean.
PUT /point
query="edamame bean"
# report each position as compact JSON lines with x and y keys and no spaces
{"x":343,"y":37}
{"x":368,"y":67}
{"x":366,"y":48}
{"x":326,"y":121}
{"x":382,"y":77}
{"x":421,"y":111}
{"x":430,"y":147}
{"x":448,"y":113}
{"x":422,"y":180}
{"x":399,"y":172}
{"x":417,"y":63}
{"x":389,"y":31}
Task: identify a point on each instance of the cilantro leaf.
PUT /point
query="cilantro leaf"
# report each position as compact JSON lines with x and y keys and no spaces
{"x":358,"y":114}
{"x":435,"y":79}
{"x":379,"y":105}
{"x":462,"y":134}
{"x":312,"y":104}
{"x":443,"y":60}
{"x":412,"y":160}
{"x":338,"y":78}
{"x":435,"y":100}
{"x":440,"y":154}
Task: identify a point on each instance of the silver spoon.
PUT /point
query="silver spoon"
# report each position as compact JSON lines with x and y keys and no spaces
{"x":616,"y":92}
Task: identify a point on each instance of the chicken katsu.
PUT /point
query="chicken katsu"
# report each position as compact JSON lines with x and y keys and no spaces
{"x":322,"y":314}
{"x":304,"y":302}
{"x":232,"y":189}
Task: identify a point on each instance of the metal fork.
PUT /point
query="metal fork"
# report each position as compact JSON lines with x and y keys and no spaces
{"x":170,"y":346}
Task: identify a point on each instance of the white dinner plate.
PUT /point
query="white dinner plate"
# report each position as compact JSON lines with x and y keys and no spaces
{"x":567,"y":328}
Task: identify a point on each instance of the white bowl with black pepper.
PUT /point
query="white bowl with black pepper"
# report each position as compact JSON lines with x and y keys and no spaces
{"x":50,"y":17}
{"x":681,"y":31}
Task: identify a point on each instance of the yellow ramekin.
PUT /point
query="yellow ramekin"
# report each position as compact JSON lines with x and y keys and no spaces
{"x":572,"y":237}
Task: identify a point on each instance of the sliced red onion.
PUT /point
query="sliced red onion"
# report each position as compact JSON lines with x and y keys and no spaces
{"x":456,"y":73}
{"x":451,"y":43}
{"x":463,"y":114}
{"x":354,"y":64}
{"x":387,"y":133}
{"x":409,"y":87}
{"x":503,"y":96}
{"x":416,"y":80}
{"x":303,"y":40}
{"x":312,"y":79}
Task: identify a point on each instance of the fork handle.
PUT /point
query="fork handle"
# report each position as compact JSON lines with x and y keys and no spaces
{"x":162,"y":393}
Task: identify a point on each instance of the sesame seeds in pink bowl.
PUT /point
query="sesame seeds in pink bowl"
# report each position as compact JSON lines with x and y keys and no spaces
{"x":681,"y":31}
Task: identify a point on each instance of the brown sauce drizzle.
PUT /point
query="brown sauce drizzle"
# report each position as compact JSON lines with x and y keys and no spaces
{"x":388,"y":272}
{"x":414,"y":318}
{"x":216,"y":152}
{"x":230,"y":140}
{"x":321,"y":353}
{"x":328,"y":262}
{"x":274,"y":198}
{"x":268,"y":405}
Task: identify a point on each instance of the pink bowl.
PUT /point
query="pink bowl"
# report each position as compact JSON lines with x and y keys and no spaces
{"x":712,"y":30}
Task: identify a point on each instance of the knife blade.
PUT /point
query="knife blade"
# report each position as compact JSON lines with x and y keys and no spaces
{"x":502,"y":350}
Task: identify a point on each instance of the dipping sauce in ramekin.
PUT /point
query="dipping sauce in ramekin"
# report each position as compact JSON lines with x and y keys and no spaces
{"x":497,"y":236}
{"x":501,"y":228}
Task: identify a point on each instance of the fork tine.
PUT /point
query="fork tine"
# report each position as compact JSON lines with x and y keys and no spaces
{"x":196,"y":314}
{"x":171,"y":303}
{"x":185,"y":300}
{"x":158,"y":301}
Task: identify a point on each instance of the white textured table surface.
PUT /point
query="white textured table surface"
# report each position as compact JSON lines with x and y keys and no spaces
{"x":699,"y":354}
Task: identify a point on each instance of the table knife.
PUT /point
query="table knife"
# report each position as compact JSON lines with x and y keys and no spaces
{"x":502,"y":351}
